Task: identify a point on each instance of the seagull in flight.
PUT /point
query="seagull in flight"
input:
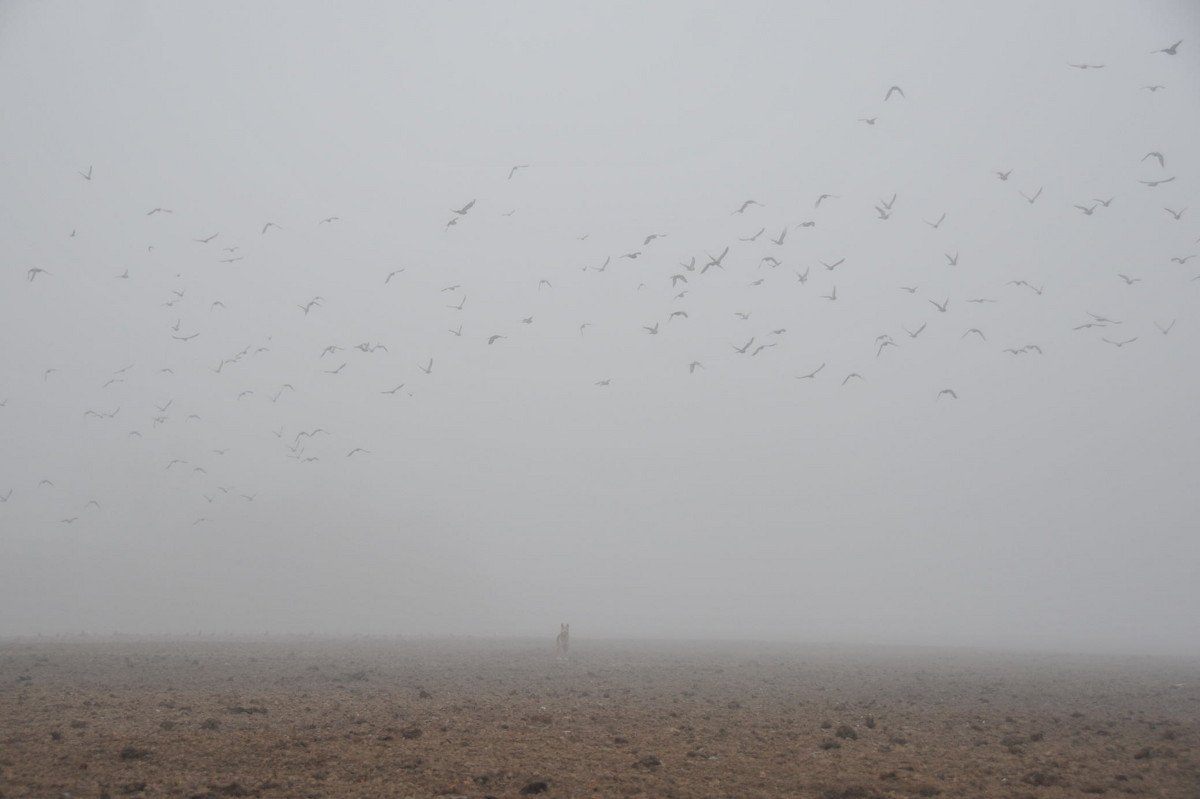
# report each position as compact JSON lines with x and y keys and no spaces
{"x":1162,"y":163}
{"x":427,"y":369}
{"x":34,"y":272}
{"x":1176,"y":214}
{"x":817,"y":204}
{"x":782,"y":236}
{"x":1033,"y":199}
{"x":357,"y":449}
{"x":917,"y":332}
{"x":1165,"y":330}
{"x":159,"y":211}
{"x":940,"y":306}
{"x":831,"y":296}
{"x":870,"y":121}
{"x":755,"y":236}
{"x":1086,"y":66}
{"x":513,"y":171}
{"x":1168,"y":50}
{"x":1087,"y":210}
{"x":746,"y":205}
{"x":949,"y":391}
{"x":891,"y":91}
{"x":1119,"y":344}
{"x":394,"y":390}
{"x":852,"y":374}
{"x":811,"y":374}
{"x":1153,"y":183}
{"x":88,"y":176}
{"x":391,"y":275}
{"x":329,"y":219}
{"x":937,"y":224}
{"x":463,"y":211}
{"x":1129,"y":281}
{"x":269,"y":225}
{"x":833,"y":265}
{"x":742,"y":350}
{"x":1003,"y":175}
{"x":691,"y":370}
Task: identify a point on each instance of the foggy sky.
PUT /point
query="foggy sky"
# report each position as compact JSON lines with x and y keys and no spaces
{"x":1051,"y":505}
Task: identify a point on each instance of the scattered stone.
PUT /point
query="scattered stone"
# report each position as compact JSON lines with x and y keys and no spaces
{"x":1144,"y":754}
{"x":649,"y":761}
{"x":210,"y":724}
{"x":133,"y":753}
{"x":410,"y":733}
{"x":534,"y":787}
{"x":847,"y":732}
{"x":250,"y":710}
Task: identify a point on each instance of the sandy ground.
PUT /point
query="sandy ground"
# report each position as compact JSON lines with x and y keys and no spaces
{"x":302,"y":717}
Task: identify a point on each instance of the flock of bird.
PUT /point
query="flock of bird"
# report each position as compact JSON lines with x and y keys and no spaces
{"x":658,"y":269}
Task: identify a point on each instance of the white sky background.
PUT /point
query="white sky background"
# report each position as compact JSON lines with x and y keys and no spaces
{"x":1052,"y":505}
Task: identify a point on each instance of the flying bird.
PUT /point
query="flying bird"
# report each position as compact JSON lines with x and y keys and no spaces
{"x":852,"y":374}
{"x":937,"y":224}
{"x":427,"y":369}
{"x":88,"y":176}
{"x":746,"y":205}
{"x":1165,"y":330}
{"x":1176,"y":214}
{"x":1168,"y":50}
{"x":1153,"y":183}
{"x":940,"y":306}
{"x":463,"y":211}
{"x":692,"y":367}
{"x":1003,"y":175}
{"x":833,"y":265}
{"x":34,"y":272}
{"x":1086,"y":66}
{"x":1033,"y":199}
{"x":513,"y":171}
{"x":870,"y":121}
{"x":1119,"y":344}
{"x":811,"y":374}
{"x":823,"y":197}
{"x":269,"y":225}
{"x":391,"y":275}
{"x":949,"y":391}
{"x":159,"y":211}
{"x":357,"y":449}
{"x":1157,"y":155}
{"x":329,"y":219}
{"x":1087,"y":210}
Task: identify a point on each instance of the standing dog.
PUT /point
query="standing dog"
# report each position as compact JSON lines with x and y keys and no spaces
{"x":563,"y":642}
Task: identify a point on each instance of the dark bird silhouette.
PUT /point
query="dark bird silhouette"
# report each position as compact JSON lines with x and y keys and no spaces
{"x":1168,"y":50}
{"x":513,"y":171}
{"x":1119,"y":344}
{"x":782,"y":236}
{"x":391,"y":275}
{"x":833,"y":265}
{"x":1033,"y":199}
{"x":949,"y":391}
{"x":358,"y":449}
{"x":937,"y":224}
{"x":755,"y":236}
{"x":1004,"y":175}
{"x":1165,"y":330}
{"x":940,"y":306}
{"x":154,"y":211}
{"x":742,"y":350}
{"x":746,"y":205}
{"x":852,"y":374}
{"x":891,"y":91}
{"x":1153,"y":183}
{"x":1156,"y":155}
{"x":870,"y":121}
{"x":427,"y":369}
{"x":268,"y":226}
{"x":1087,"y":66}
{"x":88,"y":176}
{"x":463,"y":211}
{"x":1176,"y":214}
